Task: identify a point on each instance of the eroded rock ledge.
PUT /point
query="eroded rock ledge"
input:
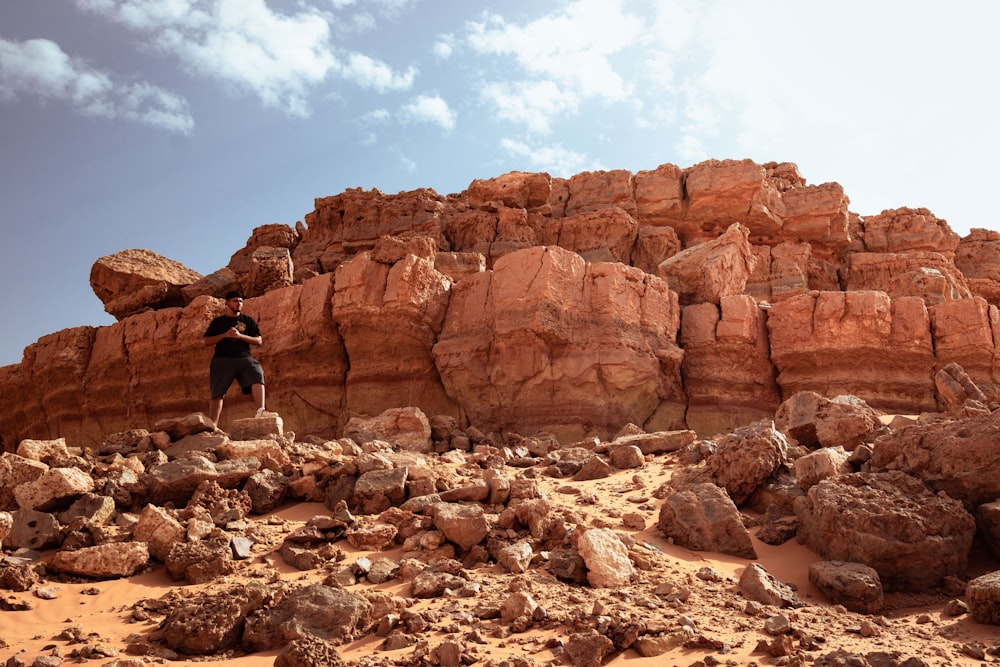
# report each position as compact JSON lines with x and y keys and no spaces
{"x":671,"y":298}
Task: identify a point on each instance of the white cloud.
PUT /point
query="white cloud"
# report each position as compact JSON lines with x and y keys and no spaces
{"x":281,"y":58}
{"x":429,"y":109}
{"x":553,"y":159}
{"x":370,"y":73}
{"x":443,"y":47}
{"x":40,"y":68}
{"x":531,"y":103}
{"x":375,"y":117}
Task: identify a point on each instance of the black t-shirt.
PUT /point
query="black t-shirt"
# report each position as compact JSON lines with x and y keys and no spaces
{"x":230,"y":347}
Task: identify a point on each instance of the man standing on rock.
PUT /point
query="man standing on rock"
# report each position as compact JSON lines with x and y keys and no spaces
{"x":232,"y":334}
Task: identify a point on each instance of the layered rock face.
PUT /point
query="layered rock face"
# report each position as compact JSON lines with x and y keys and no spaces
{"x":670,"y":298}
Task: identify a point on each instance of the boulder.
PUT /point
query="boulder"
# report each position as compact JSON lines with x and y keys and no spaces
{"x":956,"y":388}
{"x":212,"y":621}
{"x":606,"y":558}
{"x":320,"y":611}
{"x":133,"y":281}
{"x":956,"y":457}
{"x":177,"y":480}
{"x":854,"y":585}
{"x":908,"y":230}
{"x":55,"y":488}
{"x":983,"y":596}
{"x":159,"y":529}
{"x":890,"y":522}
{"x":759,"y":585}
{"x":516,"y":189}
{"x":407,"y":427}
{"x":815,"y":421}
{"x":746,"y":458}
{"x":104,"y":561}
{"x":821,"y":464}
{"x":703,"y":517}
{"x":463,"y":525}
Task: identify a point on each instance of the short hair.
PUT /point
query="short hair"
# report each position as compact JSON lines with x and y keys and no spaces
{"x":234,"y":294}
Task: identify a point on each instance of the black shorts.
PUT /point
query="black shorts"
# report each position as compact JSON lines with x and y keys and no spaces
{"x":245,"y":370}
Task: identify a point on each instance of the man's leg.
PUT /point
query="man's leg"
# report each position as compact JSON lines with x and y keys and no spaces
{"x":257,"y":390}
{"x":215,"y":410}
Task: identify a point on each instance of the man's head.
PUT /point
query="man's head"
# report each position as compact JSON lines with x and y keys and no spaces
{"x":234,"y":300}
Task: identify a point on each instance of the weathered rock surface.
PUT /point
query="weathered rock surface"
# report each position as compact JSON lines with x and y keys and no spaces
{"x":704,"y":518}
{"x":133,"y":281}
{"x":891,"y":522}
{"x":854,"y":585}
{"x":780,"y":277}
{"x":958,"y":458}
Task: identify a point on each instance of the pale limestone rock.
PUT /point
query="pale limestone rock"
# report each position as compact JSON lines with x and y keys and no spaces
{"x":606,"y":557}
{"x":106,"y":561}
{"x":16,"y":471}
{"x":54,"y":488}
{"x":269,"y":452}
{"x":257,"y":427}
{"x":516,"y":606}
{"x":6,"y":523}
{"x":407,"y":427}
{"x":43,"y":450}
{"x":159,"y":529}
{"x":515,"y":557}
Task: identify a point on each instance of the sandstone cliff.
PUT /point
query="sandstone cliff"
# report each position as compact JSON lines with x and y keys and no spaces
{"x":671,"y":298}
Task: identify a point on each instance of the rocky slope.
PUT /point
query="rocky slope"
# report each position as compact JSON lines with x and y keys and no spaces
{"x":673,"y":298}
{"x":619,"y":416}
{"x":828,"y":535}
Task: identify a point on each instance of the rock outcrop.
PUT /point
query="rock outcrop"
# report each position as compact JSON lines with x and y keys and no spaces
{"x":670,"y":298}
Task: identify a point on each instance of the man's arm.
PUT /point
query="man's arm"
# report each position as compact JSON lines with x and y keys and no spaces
{"x":232,"y":333}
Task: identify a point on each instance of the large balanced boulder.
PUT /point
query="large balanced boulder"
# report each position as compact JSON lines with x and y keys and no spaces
{"x":133,"y":281}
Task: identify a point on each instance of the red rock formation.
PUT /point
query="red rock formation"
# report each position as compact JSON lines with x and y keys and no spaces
{"x":860,"y":343}
{"x":727,"y":370}
{"x":133,"y":281}
{"x":532,"y":303}
{"x":548,"y":341}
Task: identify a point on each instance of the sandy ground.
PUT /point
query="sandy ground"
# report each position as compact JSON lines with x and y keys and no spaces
{"x":913,"y":626}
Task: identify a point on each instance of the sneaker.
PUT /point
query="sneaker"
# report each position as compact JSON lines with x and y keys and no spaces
{"x":264,"y":412}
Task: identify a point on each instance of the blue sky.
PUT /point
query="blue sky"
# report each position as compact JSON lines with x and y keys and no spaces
{"x":180,"y":125}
